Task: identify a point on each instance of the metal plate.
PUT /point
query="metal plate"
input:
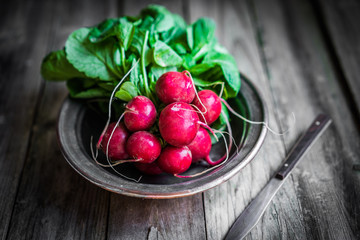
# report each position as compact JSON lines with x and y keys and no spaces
{"x":77,"y":123}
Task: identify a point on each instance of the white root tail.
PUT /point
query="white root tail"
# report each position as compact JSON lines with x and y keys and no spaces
{"x":196,"y":93}
{"x":98,"y":145}
{"x":255,"y":122}
{"x":110,"y":102}
{"x":209,"y":169}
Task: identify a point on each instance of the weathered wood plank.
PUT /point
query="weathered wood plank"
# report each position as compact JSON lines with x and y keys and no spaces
{"x":235,"y":31}
{"x":342,"y":22}
{"x":21,"y":50}
{"x":53,"y":201}
{"x":132,"y":218}
{"x":304,"y":81}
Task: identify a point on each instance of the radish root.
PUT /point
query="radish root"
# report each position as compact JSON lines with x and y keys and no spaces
{"x":110,"y":102}
{"x":209,"y":128}
{"x":113,"y":163}
{"x":207,"y":159}
{"x":209,"y":169}
{"x":263,"y":123}
{"x":197,"y":110}
{"x":196,"y":93}
{"x":110,"y":163}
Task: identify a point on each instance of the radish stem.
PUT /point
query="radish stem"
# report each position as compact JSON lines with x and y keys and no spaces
{"x":208,"y":128}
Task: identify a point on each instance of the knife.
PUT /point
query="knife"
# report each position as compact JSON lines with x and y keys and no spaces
{"x":253,"y":212}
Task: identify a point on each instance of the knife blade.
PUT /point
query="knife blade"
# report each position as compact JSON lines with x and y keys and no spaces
{"x":253,"y":212}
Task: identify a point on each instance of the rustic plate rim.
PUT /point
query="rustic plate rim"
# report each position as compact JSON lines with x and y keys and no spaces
{"x":110,"y":186}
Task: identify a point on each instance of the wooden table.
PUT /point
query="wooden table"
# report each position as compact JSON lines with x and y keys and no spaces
{"x":303,"y":55}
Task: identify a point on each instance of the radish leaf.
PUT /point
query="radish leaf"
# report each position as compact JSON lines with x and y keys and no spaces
{"x":94,"y":59}
{"x":165,"y":56}
{"x":55,"y":67}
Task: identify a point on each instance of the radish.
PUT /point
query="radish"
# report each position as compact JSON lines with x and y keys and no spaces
{"x":201,"y":145}
{"x":175,"y":87}
{"x":149,"y":168}
{"x":116,"y":146}
{"x":178,"y":124}
{"x":175,"y":160}
{"x":143,"y":146}
{"x":110,"y":102}
{"x":209,"y":104}
{"x":140,"y":114}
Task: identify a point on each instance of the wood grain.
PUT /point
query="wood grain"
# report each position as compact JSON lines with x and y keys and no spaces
{"x":53,"y":201}
{"x":21,"y":48}
{"x":324,"y":184}
{"x":225,"y":202}
{"x":280,"y":45}
{"x":341,"y":24}
{"x":132,"y":218}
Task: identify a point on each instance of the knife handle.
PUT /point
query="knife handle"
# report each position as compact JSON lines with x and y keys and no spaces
{"x":321,"y":122}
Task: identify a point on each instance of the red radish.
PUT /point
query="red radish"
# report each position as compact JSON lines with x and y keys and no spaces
{"x":149,"y":168}
{"x":201,"y":145}
{"x":175,"y":160}
{"x":175,"y":87}
{"x":116,"y":149}
{"x":143,"y":146}
{"x":212,"y":103}
{"x":178,"y":124}
{"x":140,"y":114}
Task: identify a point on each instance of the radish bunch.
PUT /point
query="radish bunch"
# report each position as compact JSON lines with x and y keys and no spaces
{"x":181,"y":125}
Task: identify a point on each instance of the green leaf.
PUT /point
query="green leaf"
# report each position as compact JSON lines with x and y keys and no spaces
{"x":117,"y":60}
{"x":219,"y":65}
{"x":94,"y":59}
{"x":91,"y":93}
{"x":201,"y":37}
{"x":199,"y":53}
{"x":125,"y":32}
{"x":189,"y":61}
{"x":222,"y":120}
{"x":157,"y":71}
{"x":165,"y":56}
{"x":135,"y":77}
{"x":109,"y":86}
{"x":232,"y":78}
{"x":206,"y":84}
{"x":172,"y":34}
{"x":85,"y":88}
{"x":220,"y":57}
{"x":180,"y":48}
{"x":147,"y":23}
{"x":163,"y":19}
{"x":55,"y":67}
{"x":127,"y":91}
{"x":137,"y":41}
{"x":190,"y":37}
{"x":203,"y":31}
{"x":103,"y":30}
{"x":229,"y":69}
{"x":204,"y":71}
{"x":179,"y":21}
{"x":160,"y":39}
{"x":121,"y":28}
